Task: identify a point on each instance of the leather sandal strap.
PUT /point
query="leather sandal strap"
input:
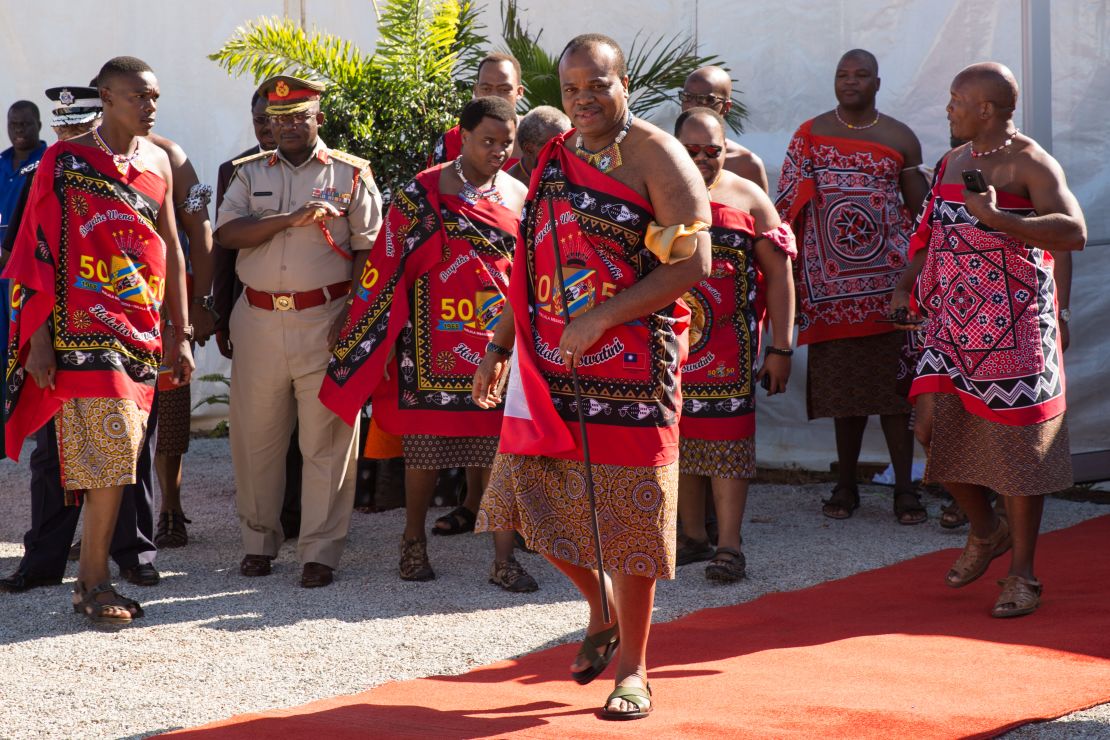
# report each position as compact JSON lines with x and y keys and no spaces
{"x":638,"y":695}
{"x":592,"y":646}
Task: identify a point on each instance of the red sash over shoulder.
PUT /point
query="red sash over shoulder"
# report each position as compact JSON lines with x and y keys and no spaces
{"x":430,"y":296}
{"x":843,"y":197}
{"x":718,"y":391}
{"x":630,"y":377}
{"x":89,"y":262}
{"x":992,"y":336}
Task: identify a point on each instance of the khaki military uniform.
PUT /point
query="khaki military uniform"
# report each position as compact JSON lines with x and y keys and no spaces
{"x":281,"y":354}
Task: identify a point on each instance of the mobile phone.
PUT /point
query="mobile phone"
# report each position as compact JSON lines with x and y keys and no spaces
{"x":765,"y":381}
{"x":973,"y":181}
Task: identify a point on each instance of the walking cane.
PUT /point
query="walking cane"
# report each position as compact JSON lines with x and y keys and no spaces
{"x":581,"y":418}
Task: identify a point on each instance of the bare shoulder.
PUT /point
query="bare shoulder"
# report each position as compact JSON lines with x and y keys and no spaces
{"x":173,"y":150}
{"x":903,"y":139}
{"x":156,"y":158}
{"x":745,"y":163}
{"x":513,"y":191}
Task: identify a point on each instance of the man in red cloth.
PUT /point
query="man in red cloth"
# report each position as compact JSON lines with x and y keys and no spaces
{"x":96,"y":257}
{"x":849,"y":187}
{"x":430,"y":296}
{"x":711,"y":87}
{"x":990,"y":382}
{"x":610,"y":184}
{"x":750,"y":277}
{"x":498,"y":77}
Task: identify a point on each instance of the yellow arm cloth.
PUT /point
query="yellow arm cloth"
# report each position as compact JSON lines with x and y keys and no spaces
{"x":673,"y":244}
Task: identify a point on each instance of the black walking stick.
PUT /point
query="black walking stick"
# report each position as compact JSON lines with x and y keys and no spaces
{"x":581,"y":417}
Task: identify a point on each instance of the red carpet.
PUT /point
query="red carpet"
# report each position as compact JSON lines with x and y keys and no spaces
{"x":887,"y":653}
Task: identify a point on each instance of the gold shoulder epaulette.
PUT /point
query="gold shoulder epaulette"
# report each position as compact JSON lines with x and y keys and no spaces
{"x":357,"y":162}
{"x":249,"y":157}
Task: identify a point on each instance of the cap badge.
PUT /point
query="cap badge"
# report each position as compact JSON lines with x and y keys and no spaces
{"x":281,"y":89}
{"x":66,"y":97}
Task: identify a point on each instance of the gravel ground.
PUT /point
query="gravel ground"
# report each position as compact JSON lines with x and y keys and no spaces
{"x":215,"y":644}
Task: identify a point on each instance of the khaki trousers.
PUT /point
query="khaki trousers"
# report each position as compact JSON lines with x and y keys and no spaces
{"x":279,"y":364}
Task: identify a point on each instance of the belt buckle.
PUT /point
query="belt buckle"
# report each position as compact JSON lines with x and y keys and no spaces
{"x":283,"y":302}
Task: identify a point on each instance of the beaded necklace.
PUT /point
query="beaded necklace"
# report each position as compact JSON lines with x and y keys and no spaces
{"x":854,"y":127}
{"x":472,"y":194}
{"x":1009,"y":140}
{"x":121,"y":161}
{"x":609,"y":158}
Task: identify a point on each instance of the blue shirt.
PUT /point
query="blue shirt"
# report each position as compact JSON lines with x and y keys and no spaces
{"x":11,"y":181}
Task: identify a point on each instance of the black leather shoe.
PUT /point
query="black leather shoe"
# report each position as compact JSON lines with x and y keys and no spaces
{"x":144,"y":574}
{"x":316,"y":575}
{"x":19,"y":582}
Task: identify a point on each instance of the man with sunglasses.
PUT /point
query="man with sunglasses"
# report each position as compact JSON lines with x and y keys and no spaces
{"x":750,"y":275}
{"x":303,"y":219}
{"x":850,"y":186}
{"x":711,"y":87}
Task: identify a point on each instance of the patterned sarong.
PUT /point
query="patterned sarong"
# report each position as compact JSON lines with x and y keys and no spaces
{"x":430,"y":295}
{"x":718,"y":391}
{"x":89,"y":261}
{"x":630,"y":377}
{"x":843,"y":197}
{"x":992,"y":335}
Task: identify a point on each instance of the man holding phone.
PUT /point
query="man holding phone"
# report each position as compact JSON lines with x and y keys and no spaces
{"x":990,"y":382}
{"x":303,"y":219}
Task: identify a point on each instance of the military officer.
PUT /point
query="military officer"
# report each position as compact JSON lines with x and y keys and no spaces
{"x":303,"y":218}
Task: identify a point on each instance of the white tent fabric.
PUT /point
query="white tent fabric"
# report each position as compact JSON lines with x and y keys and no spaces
{"x":782,"y":55}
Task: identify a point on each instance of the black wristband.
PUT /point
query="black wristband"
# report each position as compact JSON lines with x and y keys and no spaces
{"x":777,"y":351}
{"x":491,"y":347}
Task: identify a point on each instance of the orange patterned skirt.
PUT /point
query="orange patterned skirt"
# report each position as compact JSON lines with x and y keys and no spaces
{"x":99,"y":441}
{"x":545,"y":500}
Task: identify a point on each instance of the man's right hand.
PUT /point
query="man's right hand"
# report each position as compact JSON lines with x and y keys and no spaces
{"x":312,"y":212}
{"x":41,"y":363}
{"x":223,"y":343}
{"x":900,"y":306}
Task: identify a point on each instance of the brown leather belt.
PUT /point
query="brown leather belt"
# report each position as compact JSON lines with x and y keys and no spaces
{"x":296,"y":301}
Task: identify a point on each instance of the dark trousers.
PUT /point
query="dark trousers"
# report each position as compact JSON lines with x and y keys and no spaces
{"x":47,"y":542}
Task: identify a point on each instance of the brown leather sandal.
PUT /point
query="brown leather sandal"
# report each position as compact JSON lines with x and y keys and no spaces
{"x":908,"y":509}
{"x":728,"y":566}
{"x":110,"y":613}
{"x":952,"y":516}
{"x":1020,"y":596}
{"x":977,"y":556}
{"x":842,"y":503}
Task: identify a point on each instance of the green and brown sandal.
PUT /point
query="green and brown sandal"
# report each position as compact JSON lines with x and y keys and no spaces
{"x":639,"y":696}
{"x":599,"y":649}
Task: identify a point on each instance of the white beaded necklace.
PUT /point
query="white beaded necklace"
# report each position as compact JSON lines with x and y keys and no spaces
{"x":472,"y":193}
{"x":1009,"y":140}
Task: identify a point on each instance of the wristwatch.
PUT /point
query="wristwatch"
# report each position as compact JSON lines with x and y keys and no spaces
{"x":184,"y":332}
{"x":207,"y":302}
{"x":497,"y":348}
{"x":1065,"y":315}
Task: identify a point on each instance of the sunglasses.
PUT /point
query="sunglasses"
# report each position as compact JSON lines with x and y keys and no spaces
{"x":704,"y":100}
{"x":710,"y":150}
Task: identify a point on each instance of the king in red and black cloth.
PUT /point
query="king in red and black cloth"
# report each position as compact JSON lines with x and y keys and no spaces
{"x":89,"y":262}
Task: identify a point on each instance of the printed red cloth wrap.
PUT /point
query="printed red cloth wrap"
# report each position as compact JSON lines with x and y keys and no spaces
{"x":992,"y":337}
{"x":88,"y":260}
{"x":430,"y":295}
{"x":449,"y":146}
{"x":842,"y":197}
{"x":630,"y":377}
{"x":718,"y":388}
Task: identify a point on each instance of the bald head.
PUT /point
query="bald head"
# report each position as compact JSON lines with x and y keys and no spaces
{"x":990,"y":82}
{"x":861,"y":56}
{"x":708,"y":87}
{"x":717,"y":80}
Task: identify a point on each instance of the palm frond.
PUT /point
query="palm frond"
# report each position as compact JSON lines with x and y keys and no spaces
{"x":469,"y":44}
{"x":658,"y":67}
{"x":539,"y":70}
{"x":271,"y":46}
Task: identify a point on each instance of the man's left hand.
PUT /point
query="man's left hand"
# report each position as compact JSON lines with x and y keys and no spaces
{"x":178,"y":357}
{"x":204,"y":325}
